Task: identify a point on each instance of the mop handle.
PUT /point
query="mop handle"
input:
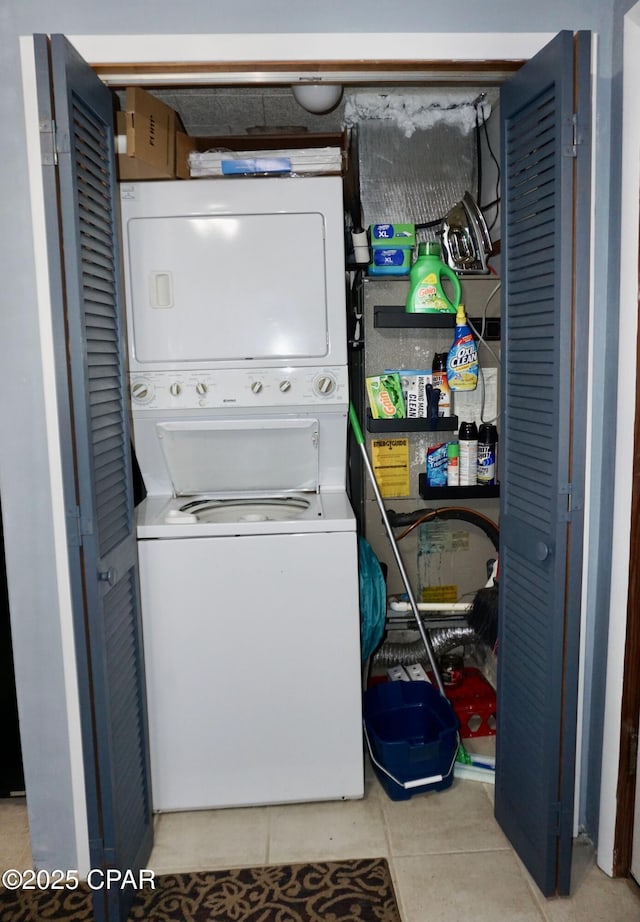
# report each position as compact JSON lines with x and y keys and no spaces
{"x":355,"y":425}
{"x":357,"y":431}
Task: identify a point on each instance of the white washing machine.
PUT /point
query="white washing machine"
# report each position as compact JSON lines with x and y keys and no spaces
{"x":247,"y":540}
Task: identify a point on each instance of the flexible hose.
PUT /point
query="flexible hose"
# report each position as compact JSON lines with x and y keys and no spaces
{"x":411,"y":520}
{"x":442,"y":640}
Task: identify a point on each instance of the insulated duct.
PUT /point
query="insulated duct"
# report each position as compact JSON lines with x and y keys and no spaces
{"x":442,"y":640}
{"x":417,"y":153}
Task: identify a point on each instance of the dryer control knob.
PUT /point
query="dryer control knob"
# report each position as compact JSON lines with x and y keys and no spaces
{"x":175,"y":389}
{"x":201,"y":388}
{"x":141,"y":391}
{"x":285,"y":386}
{"x":325,"y":385}
{"x":256,"y":386}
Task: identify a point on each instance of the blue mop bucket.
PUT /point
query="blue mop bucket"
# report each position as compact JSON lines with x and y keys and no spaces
{"x":412,"y":735}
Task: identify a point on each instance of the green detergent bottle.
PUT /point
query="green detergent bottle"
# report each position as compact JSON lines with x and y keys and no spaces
{"x":426,"y":294}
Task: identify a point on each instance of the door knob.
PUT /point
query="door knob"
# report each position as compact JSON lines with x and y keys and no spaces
{"x":108,"y":576}
{"x":542,"y":550}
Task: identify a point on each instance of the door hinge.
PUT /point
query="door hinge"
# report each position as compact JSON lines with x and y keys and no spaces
{"x":571,"y":148}
{"x":110,"y":856}
{"x":554,"y":819}
{"x":74,"y":537}
{"x":48,"y":150}
{"x":566,"y":513}
{"x":52,"y":142}
{"x":96,"y":852}
{"x":77,"y":527}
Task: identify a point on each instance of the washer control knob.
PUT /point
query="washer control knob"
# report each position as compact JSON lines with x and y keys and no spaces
{"x":285,"y":386}
{"x":141,"y":391}
{"x":175,"y":389}
{"x":201,"y":388}
{"x":325,"y":385}
{"x":256,"y":386}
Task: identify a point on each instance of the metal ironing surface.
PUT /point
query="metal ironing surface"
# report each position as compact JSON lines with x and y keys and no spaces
{"x":466,"y":242}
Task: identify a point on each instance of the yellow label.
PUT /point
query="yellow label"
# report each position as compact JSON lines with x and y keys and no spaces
{"x":390,"y":461}
{"x":439,"y":594}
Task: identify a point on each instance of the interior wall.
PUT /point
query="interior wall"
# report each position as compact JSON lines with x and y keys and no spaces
{"x":25,"y":467}
{"x":623,"y":362}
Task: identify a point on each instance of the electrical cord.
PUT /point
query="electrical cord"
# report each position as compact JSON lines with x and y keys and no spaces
{"x":497,"y":165}
{"x":480,"y":336}
{"x":480,"y":333}
{"x":478,"y":150}
{"x":411,"y":520}
{"x":427,"y":225}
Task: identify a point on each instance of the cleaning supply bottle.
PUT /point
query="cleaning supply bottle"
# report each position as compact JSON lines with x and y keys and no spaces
{"x":453,"y":464}
{"x":426,"y":294}
{"x":462,"y":361}
{"x":439,"y":380}
{"x":487,"y":462}
{"x":468,"y":442}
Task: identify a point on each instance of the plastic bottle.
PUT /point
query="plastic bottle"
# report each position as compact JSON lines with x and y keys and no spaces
{"x":468,"y":440}
{"x":453,"y":464}
{"x":439,"y":380}
{"x":426,"y":294}
{"x":487,"y":460}
{"x":462,"y":361}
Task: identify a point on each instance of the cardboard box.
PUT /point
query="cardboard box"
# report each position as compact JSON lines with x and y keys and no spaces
{"x":146,"y":141}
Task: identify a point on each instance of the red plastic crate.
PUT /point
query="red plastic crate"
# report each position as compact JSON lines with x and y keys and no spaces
{"x":474,"y":702}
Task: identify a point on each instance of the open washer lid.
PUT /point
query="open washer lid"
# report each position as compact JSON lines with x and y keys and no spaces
{"x":240,"y":456}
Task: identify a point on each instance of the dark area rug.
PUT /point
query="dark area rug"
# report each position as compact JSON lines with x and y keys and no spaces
{"x":332,"y":891}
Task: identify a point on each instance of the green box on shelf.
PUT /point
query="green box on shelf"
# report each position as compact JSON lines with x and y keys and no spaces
{"x":391,"y":248}
{"x":385,"y":396}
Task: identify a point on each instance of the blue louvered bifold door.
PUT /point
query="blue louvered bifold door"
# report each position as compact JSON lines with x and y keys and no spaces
{"x":87,"y":304}
{"x":545,"y":247}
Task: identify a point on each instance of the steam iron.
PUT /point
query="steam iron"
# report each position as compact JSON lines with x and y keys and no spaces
{"x":466,"y":243}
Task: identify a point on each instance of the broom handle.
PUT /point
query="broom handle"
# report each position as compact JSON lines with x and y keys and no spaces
{"x":357,"y":431}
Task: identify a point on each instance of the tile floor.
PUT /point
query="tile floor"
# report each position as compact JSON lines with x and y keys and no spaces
{"x":448,"y":857}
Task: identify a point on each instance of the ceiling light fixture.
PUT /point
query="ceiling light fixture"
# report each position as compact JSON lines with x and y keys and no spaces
{"x":317,"y":97}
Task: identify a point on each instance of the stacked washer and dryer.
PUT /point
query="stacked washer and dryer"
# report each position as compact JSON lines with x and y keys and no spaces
{"x":247,"y":542}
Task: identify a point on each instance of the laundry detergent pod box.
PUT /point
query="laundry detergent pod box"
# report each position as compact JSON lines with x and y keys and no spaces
{"x":385,"y":396}
{"x":391,"y":248}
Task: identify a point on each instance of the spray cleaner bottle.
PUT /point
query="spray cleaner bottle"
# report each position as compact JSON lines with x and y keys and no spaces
{"x":426,"y":294}
{"x":462,"y":361}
